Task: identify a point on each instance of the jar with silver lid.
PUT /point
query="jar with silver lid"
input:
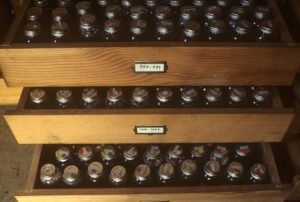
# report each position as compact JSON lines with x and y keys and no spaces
{"x":234,"y":172}
{"x":32,"y":31}
{"x":165,"y":97}
{"x":113,"y":11}
{"x":220,"y":154}
{"x":261,"y":96}
{"x":85,"y":154}
{"x":175,"y":155}
{"x":211,"y":172}
{"x":118,"y":175}
{"x":188,"y":170}
{"x":138,"y":30}
{"x":83,"y":7}
{"x":258,"y":173}
{"x":59,"y":31}
{"x":242,"y":31}
{"x":138,"y":12}
{"x":236,"y":13}
{"x":95,"y":171}
{"x":237,"y":96}
{"x":216,"y":30}
{"x":64,"y":3}
{"x":165,"y":30}
{"x":187,"y":13}
{"x":112,"y":29}
{"x":261,"y":13}
{"x":89,"y":97}
{"x":189,"y":96}
{"x":175,"y":5}
{"x":140,"y":97}
{"x":87,"y":26}
{"x":114,"y":97}
{"x":199,"y":152}
{"x":34,"y":14}
{"x":142,"y":174}
{"x":108,"y":154}
{"x":130,"y":155}
{"x":40,"y":3}
{"x":243,"y":153}
{"x":163,"y":12}
{"x":72,"y":175}
{"x":213,"y":96}
{"x":166,"y":173}
{"x":49,"y":174}
{"x":191,"y":31}
{"x":153,"y":156}
{"x":267,"y":31}
{"x":151,"y":4}
{"x":63,"y":156}
{"x":211,"y":13}
{"x":37,"y":97}
{"x":64,"y":97}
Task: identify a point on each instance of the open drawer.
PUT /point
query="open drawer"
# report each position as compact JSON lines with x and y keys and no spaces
{"x":164,"y":125}
{"x":273,"y":191}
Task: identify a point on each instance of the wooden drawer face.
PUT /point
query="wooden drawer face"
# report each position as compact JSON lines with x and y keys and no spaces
{"x":275,"y":191}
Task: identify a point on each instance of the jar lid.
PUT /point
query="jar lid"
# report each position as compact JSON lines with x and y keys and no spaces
{"x":32,"y":29}
{"x":87,"y":21}
{"x":62,"y":154}
{"x":243,"y":150}
{"x":83,"y":7}
{"x":114,"y":94}
{"x":151,"y":3}
{"x":164,"y":94}
{"x":198,"y":151}
{"x":48,"y":171}
{"x":64,"y":96}
{"x":199,"y":3}
{"x":113,"y":11}
{"x":165,"y":27}
{"x":118,"y":173}
{"x":247,"y":3}
{"x":262,"y":12}
{"x":140,"y":94}
{"x":108,"y":152}
{"x":138,"y":27}
{"x":268,"y":26}
{"x":235,"y":169}
{"x":89,"y":95}
{"x":142,"y":172}
{"x":95,"y":170}
{"x":59,"y":29}
{"x":59,"y":14}
{"x":175,"y":151}
{"x":258,"y":171}
{"x":163,"y":12}
{"x":104,"y":3}
{"x":213,"y":94}
{"x":153,"y":151}
{"x":237,"y":12}
{"x":213,"y":12}
{"x":187,"y":12}
{"x":71,"y":174}
{"x":237,"y":94}
{"x":130,"y":153}
{"x":261,"y":93}
{"x":85,"y":153}
{"x":191,"y":29}
{"x":137,"y":12}
{"x":189,"y":94}
{"x":188,"y":167}
{"x":216,"y":26}
{"x":37,"y":95}
{"x":176,"y":3}
{"x":243,"y":27}
{"x":34,"y":13}
{"x":212,"y":168}
{"x":40,"y":3}
{"x":112,"y":26}
{"x":220,"y":151}
{"x":224,"y":3}
{"x":166,"y":171}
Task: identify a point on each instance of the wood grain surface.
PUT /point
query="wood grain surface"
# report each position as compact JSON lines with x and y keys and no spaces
{"x":9,"y":95}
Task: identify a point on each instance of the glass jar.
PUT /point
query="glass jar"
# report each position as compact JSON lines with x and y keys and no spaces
{"x":236,"y":13}
{"x":242,"y":31}
{"x":49,"y":174}
{"x":258,"y":173}
{"x":267,"y":31}
{"x":34,"y":14}
{"x":95,"y":171}
{"x":220,"y":153}
{"x":32,"y":31}
{"x":211,"y":13}
{"x":166,"y":173}
{"x":213,"y":96}
{"x":87,"y":26}
{"x":238,"y":96}
{"x":188,"y":170}
{"x":72,"y":175}
{"x":113,"y":11}
{"x":191,"y":31}
{"x":261,"y":13}
{"x":165,"y":30}
{"x":37,"y":97}
{"x":83,"y":7}
{"x":64,"y":98}
{"x":112,"y":29}
{"x":60,"y":15}
{"x":59,"y":31}
{"x":63,"y":156}
{"x":216,"y":30}
{"x":211,"y":173}
{"x":175,"y":155}
{"x":163,"y":12}
{"x":114,"y":97}
{"x":153,"y":156}
{"x":89,"y":97}
{"x":118,"y":175}
{"x":165,"y":97}
{"x":140,"y":97}
{"x":138,"y":12}
{"x":187,"y":13}
{"x":138,"y":30}
{"x":142,"y":175}
{"x":234,"y":173}
{"x":261,"y":96}
{"x":189,"y":97}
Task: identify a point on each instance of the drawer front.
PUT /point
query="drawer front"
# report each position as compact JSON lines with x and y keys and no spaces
{"x":8,"y":95}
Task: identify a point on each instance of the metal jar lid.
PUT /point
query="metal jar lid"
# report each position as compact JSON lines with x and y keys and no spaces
{"x":49,"y":174}
{"x":164,"y":94}
{"x":260,"y":93}
{"x":71,"y":175}
{"x":153,"y":152}
{"x":243,"y":150}
{"x":220,"y":151}
{"x":95,"y":170}
{"x":165,"y":27}
{"x":83,"y":7}
{"x":198,"y":151}
{"x":163,"y":12}
{"x":59,"y":29}
{"x":213,"y":94}
{"x":85,"y":153}
{"x":140,"y":94}
{"x":187,"y":12}
{"x":118,"y":174}
{"x":138,"y":27}
{"x":166,"y":171}
{"x":216,"y":26}
{"x":114,"y":94}
{"x":151,"y":3}
{"x":188,"y":167}
{"x":247,"y":3}
{"x":112,"y":26}
{"x":175,"y":151}
{"x":87,"y":21}
{"x":243,"y":27}
{"x":34,"y":13}
{"x":108,"y":152}
{"x":40,"y":3}
{"x":212,"y":12}
{"x":142,"y":173}
{"x":235,"y":169}
{"x":64,"y":96}
{"x":113,"y":11}
{"x":62,"y":154}
{"x":224,"y":3}
{"x":191,"y":29}
{"x":89,"y":95}
{"x":64,"y":3}
{"x":130,"y":153}
{"x":37,"y":95}
{"x":176,"y":3}
{"x":104,"y":3}
{"x":258,"y":171}
{"x":138,"y":12}
{"x":32,"y":29}
{"x":262,"y":12}
{"x":237,"y":12}
{"x":237,"y":94}
{"x":59,"y":14}
{"x":189,"y":94}
{"x":212,"y":168}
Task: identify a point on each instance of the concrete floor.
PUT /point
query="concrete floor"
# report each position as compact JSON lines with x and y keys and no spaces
{"x":15,"y":162}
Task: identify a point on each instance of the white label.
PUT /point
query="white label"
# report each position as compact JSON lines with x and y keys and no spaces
{"x":149,"y":67}
{"x":150,"y":130}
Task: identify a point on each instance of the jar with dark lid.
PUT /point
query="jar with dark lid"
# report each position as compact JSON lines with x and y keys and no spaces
{"x":220,"y":153}
{"x":238,"y":96}
{"x":258,"y":173}
{"x":242,"y":31}
{"x":72,"y":175}
{"x":37,"y":97}
{"x":118,"y":175}
{"x":95,"y":171}
{"x":63,"y":156}
{"x":261,"y":96}
{"x":59,"y":31}
{"x":213,"y":96}
{"x":236,"y":13}
{"x":212,"y":13}
{"x":127,"y":4}
{"x":216,"y":30}
{"x":113,"y":11}
{"x":32,"y":31}
{"x":267,"y":31}
{"x":211,"y":173}
{"x":87,"y":26}
{"x":64,"y":3}
{"x":104,"y":3}
{"x":85,"y":154}
{"x":188,"y":170}
{"x":187,"y":13}
{"x":83,"y":7}
{"x":175,"y":155}
{"x":34,"y":14}
{"x":199,"y":153}
{"x":90,"y":97}
{"x":60,"y":15}
{"x":140,"y":97}
{"x":165,"y":97}
{"x":130,"y":155}
{"x":166,"y":173}
{"x":64,"y":98}
{"x":138,"y":29}
{"x":108,"y":154}
{"x":224,"y":5}
{"x":191,"y":31}
{"x":151,"y":4}
{"x":189,"y":97}
{"x":40,"y":3}
{"x":234,"y":173}
{"x":163,"y":12}
{"x":49,"y":174}
{"x":114,"y":97}
{"x":175,"y":5}
{"x":243,"y":153}
{"x":142,"y":175}
{"x":153,"y":156}
{"x":165,"y":30}
{"x":260,"y":13}
{"x":138,"y":12}
{"x":112,"y":29}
